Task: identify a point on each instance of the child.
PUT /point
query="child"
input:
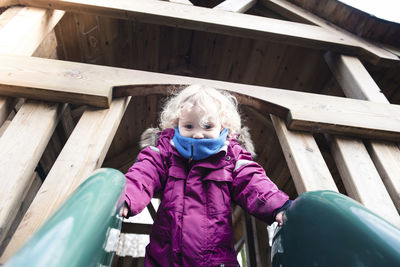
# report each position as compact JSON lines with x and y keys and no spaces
{"x":198,"y":165}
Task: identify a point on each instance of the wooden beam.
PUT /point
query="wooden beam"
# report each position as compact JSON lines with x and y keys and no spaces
{"x":21,"y":146}
{"x":32,"y":26}
{"x":372,"y":52}
{"x":354,"y":79}
{"x":184,"y":2}
{"x":45,"y":82}
{"x":29,"y":195}
{"x":249,"y":233}
{"x":386,"y":157}
{"x":239,"y":6}
{"x":308,"y":112}
{"x":5,"y":3}
{"x":210,"y":20}
{"x":26,"y":137}
{"x":357,"y":83}
{"x":262,"y":249}
{"x":136,"y":228}
{"x":307,"y":166}
{"x":6,"y":106}
{"x":301,"y":111}
{"x":152,"y":210}
{"x":361,"y":179}
{"x":82,"y":154}
{"x":21,"y":32}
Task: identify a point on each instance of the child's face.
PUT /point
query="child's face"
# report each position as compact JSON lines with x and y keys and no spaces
{"x":190,"y":123}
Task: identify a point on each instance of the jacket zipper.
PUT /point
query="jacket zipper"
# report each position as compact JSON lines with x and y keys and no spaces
{"x":191,"y":153}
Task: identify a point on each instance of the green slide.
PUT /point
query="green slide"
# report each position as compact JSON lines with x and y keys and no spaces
{"x":325,"y":228}
{"x":84,"y":231}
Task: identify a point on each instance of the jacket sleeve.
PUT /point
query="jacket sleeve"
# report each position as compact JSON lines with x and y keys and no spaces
{"x":144,"y":178}
{"x":253,"y":190}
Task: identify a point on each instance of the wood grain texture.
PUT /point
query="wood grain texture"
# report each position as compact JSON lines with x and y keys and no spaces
{"x":307,"y":166}
{"x":82,"y":154}
{"x":26,"y":137}
{"x":307,"y":111}
{"x":32,"y":26}
{"x":239,"y":6}
{"x":374,"y":53}
{"x":361,"y":179}
{"x":21,"y":146}
{"x":44,"y":80}
{"x":210,"y":20}
{"x":357,"y":83}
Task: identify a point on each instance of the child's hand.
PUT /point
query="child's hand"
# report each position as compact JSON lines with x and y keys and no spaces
{"x":124,"y":211}
{"x":279,"y":218}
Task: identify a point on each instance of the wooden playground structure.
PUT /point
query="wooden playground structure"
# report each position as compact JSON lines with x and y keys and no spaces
{"x":318,"y":83}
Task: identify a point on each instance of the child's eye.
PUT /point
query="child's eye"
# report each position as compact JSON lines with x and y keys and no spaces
{"x":208,"y":127}
{"x":189,"y":126}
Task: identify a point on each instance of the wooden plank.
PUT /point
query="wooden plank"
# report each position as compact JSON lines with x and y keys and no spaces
{"x":307,"y":166}
{"x":82,"y":154}
{"x":361,"y":179}
{"x":263,"y":256}
{"x":386,"y":157}
{"x":184,"y":2}
{"x":29,"y":195}
{"x":375,"y":54}
{"x":22,"y":35}
{"x":239,"y":6}
{"x":354,"y":79}
{"x":32,"y":26}
{"x":21,"y":147}
{"x":210,"y":20}
{"x":48,"y":47}
{"x":8,"y":15}
{"x":6,"y":106}
{"x":249,"y":233}
{"x":357,"y":83}
{"x":5,"y":3}
{"x":34,"y":82}
{"x":16,"y":19}
{"x":308,"y":112}
{"x":25,"y":139}
{"x":136,"y":228}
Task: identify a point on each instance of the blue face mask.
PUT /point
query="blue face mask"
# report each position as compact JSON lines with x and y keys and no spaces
{"x":198,"y":149}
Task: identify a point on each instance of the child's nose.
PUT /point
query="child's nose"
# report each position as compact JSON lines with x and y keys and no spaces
{"x":198,"y":135}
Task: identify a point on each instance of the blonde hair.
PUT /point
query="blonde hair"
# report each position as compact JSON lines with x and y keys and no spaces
{"x":203,"y":97}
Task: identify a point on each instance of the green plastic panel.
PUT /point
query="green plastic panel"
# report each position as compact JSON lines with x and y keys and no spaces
{"x":84,"y":231}
{"x":325,"y":228}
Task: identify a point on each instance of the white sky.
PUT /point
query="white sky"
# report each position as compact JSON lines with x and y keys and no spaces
{"x":384,"y":9}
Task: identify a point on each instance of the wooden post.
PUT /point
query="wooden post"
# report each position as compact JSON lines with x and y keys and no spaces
{"x":21,"y":32}
{"x":357,"y":83}
{"x":307,"y":166}
{"x":21,"y":146}
{"x":361,"y":179}
{"x":249,"y":233}
{"x":83,"y":153}
{"x":25,"y":139}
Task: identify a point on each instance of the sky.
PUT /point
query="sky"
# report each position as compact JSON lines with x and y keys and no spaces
{"x":384,"y":9}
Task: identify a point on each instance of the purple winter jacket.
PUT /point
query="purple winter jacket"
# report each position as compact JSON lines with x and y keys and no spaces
{"x":193,"y":226}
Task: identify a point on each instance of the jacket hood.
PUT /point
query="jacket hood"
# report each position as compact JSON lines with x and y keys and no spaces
{"x":150,"y":137}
